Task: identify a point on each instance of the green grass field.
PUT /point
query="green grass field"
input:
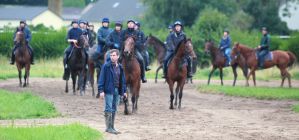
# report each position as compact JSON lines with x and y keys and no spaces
{"x":53,"y":68}
{"x":63,"y":132}
{"x":267,"y":93}
{"x":24,"y":105}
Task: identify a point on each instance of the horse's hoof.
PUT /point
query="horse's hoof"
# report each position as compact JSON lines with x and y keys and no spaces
{"x":126,"y":112}
{"x":171,"y":107}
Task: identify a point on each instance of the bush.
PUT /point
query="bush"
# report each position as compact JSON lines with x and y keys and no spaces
{"x":45,"y":44}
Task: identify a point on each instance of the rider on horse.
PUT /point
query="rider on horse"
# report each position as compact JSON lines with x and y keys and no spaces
{"x":142,"y":49}
{"x":73,"y":36}
{"x":103,"y":32}
{"x":113,"y":40}
{"x":130,"y":32}
{"x":224,"y":46}
{"x":92,"y":35}
{"x":27,"y":34}
{"x":173,"y":40}
{"x":263,"y":48}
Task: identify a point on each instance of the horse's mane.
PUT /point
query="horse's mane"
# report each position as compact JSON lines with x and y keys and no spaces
{"x":246,"y":48}
{"x":178,"y":47}
{"x":159,"y":41}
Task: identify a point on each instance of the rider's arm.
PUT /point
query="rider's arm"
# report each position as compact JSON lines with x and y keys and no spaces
{"x":109,"y":40}
{"x":101,"y":39}
{"x":28,"y":35}
{"x":101,"y":81}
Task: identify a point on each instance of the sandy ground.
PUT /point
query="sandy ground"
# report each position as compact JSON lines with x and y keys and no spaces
{"x":203,"y":116}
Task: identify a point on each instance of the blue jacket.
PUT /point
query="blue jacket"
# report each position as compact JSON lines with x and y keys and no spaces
{"x":103,"y":32}
{"x":106,"y":80}
{"x":114,"y":40}
{"x":174,"y":39}
{"x":225,"y":43}
{"x":26,"y":31}
{"x":74,"y":33}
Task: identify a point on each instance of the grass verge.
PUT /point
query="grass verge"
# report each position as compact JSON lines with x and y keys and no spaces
{"x":255,"y":92}
{"x":63,"y":132}
{"x":24,"y":105}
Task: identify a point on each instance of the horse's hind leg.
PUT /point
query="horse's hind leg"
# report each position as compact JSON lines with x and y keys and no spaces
{"x":253,"y":77}
{"x":66,"y":86}
{"x":25,"y":79}
{"x":133,"y":102}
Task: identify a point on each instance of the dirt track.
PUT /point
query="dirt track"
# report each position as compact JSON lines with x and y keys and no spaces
{"x":203,"y":116}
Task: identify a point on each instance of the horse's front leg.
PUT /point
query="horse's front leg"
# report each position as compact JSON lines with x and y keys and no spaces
{"x":66,"y":86}
{"x":20,"y":77}
{"x":25,"y":78}
{"x":74,"y":79}
{"x":171,"y":94}
{"x":253,"y":77}
{"x":157,"y":71}
{"x":248,"y":76}
{"x":221,"y":76}
{"x":235,"y":74}
{"x":211,"y":72}
{"x":177,"y":90}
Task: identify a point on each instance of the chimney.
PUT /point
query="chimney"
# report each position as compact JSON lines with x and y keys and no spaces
{"x":55,"y":6}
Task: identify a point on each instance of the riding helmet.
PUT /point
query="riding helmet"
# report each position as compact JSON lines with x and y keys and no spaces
{"x":105,"y":20}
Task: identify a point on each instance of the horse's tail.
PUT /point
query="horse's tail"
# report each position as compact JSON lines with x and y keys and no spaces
{"x":293,"y":59}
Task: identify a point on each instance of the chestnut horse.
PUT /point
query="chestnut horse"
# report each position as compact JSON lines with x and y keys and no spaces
{"x":177,"y":70}
{"x":22,"y":57}
{"x":219,"y":61}
{"x":281,"y":59}
{"x":132,"y":73}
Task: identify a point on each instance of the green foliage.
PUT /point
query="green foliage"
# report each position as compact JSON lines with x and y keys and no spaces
{"x":44,"y":43}
{"x":24,"y":105}
{"x":256,"y":92}
{"x":64,"y":132}
{"x":241,"y":20}
{"x":210,"y":26}
{"x":266,"y":13}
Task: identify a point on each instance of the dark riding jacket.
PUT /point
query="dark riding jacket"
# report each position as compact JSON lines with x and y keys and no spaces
{"x":103,"y":32}
{"x":114,"y":39}
{"x":265,"y":42}
{"x":74,"y":33}
{"x":174,"y":39}
{"x":140,"y":40}
{"x":225,"y":43}
{"x":26,"y":31}
{"x":106,"y":80}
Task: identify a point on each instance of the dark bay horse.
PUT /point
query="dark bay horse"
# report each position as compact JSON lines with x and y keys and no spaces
{"x":132,"y":73}
{"x":76,"y":63}
{"x":160,"y":51}
{"x":218,"y":62}
{"x":22,"y":57}
{"x":281,"y":59}
{"x":177,"y":70}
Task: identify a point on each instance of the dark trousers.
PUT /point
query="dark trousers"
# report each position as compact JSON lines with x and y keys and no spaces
{"x":141,"y":62}
{"x":167,"y":57}
{"x":261,"y":57}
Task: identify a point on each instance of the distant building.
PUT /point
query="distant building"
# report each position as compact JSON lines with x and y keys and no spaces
{"x":57,"y":17}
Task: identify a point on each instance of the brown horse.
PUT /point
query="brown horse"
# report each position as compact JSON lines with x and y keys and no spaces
{"x":177,"y":70}
{"x":76,"y":63}
{"x":132,"y":73}
{"x":281,"y":59}
{"x":22,"y":58}
{"x":219,"y":61}
{"x":160,"y":51}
